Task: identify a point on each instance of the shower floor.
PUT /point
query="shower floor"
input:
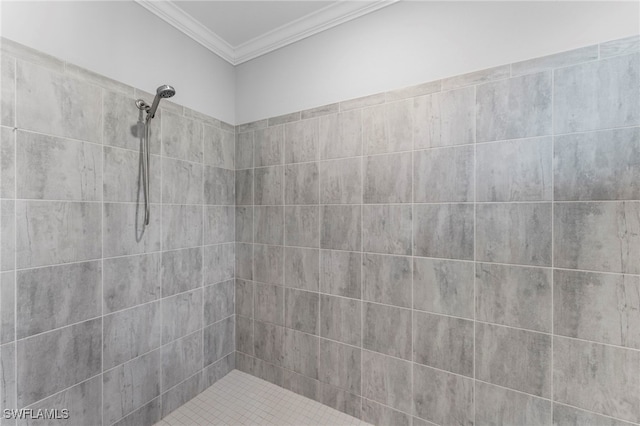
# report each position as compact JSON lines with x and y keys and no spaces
{"x":242,"y":399}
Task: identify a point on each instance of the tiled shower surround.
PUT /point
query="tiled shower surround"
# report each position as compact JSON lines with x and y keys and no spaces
{"x":466,"y":251}
{"x":117,"y":323}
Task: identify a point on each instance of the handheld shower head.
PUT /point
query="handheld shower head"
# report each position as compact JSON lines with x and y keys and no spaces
{"x":164,"y":91}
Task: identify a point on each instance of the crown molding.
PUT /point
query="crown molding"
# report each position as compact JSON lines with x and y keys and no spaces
{"x":321,"y":20}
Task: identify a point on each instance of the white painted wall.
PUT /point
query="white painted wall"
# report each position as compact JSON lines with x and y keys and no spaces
{"x":125,"y":42}
{"x":413,"y":42}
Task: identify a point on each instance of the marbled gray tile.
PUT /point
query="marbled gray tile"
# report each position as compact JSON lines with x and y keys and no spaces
{"x":514,"y":295}
{"x":75,"y":351}
{"x":268,"y":303}
{"x":57,"y":169}
{"x":340,"y":135}
{"x":181,"y":359}
{"x":244,"y":261}
{"x":219,"y":224}
{"x":386,"y":380}
{"x":56,"y":104}
{"x":269,"y":146}
{"x":301,"y":183}
{"x":557,"y":60}
{"x":387,"y":330}
{"x":244,"y":224}
{"x":341,"y":400}
{"x":269,"y":342}
{"x":302,"y":385}
{"x":340,"y":365}
{"x":22,"y":52}
{"x":341,"y":227}
{"x":8,"y":234}
{"x":601,"y":165}
{"x":244,"y":187}
{"x":244,"y":298}
{"x":55,"y":296}
{"x":181,"y":315}
{"x":219,"y":147}
{"x":340,"y":319}
{"x":516,"y":359}
{"x":283,"y":119}
{"x":182,"y":226}
{"x":8,"y":398}
{"x":8,"y":77}
{"x":388,"y":178}
{"x":564,"y":415}
{"x":7,"y":162}
{"x":268,"y":371}
{"x":620,"y":46}
{"x":341,"y":181}
{"x":387,"y":279}
{"x":301,"y":141}
{"x":340,"y":273}
{"x":123,"y":176}
{"x":219,"y":186}
{"x":130,"y":386}
{"x":514,"y":233}
{"x":362,"y":102}
{"x":124,"y":125}
{"x":130,"y":281}
{"x":218,"y":369}
{"x":218,"y":302}
{"x":269,"y":264}
{"x":413,"y":91}
{"x":444,"y":119}
{"x":244,"y":335}
{"x":181,"y":137}
{"x":219,"y":263}
{"x":477,"y":77}
{"x":320,"y":111}
{"x":7,"y":308}
{"x":379,"y":414}
{"x":387,"y":229}
{"x":182,"y":393}
{"x":597,"y":95}
{"x":519,"y":107}
{"x":97,"y":79}
{"x":131,"y":333}
{"x":598,"y":307}
{"x":499,"y":406}
{"x":444,"y":231}
{"x":181,"y":271}
{"x":441,"y":397}
{"x":268,"y":224}
{"x":301,"y":310}
{"x":148,"y":414}
{"x":443,"y":287}
{"x":388,"y":127}
{"x":219,"y":340}
{"x":599,"y":378}
{"x":244,"y":150}
{"x":254,"y":125}
{"x":302,"y":226}
{"x":443,"y":175}
{"x":49,"y":232}
{"x":517,"y":170}
{"x":181,"y":182}
{"x":302,"y":268}
{"x":597,"y":236}
{"x":301,"y":353}
{"x":454,"y":349}
{"x":124,"y":232}
{"x":269,"y":185}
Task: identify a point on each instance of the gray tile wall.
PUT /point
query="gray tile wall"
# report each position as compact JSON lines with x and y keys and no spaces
{"x":466,"y":251}
{"x":116,"y":323}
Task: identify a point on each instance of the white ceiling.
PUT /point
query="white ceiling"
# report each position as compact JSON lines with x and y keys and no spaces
{"x":240,"y":30}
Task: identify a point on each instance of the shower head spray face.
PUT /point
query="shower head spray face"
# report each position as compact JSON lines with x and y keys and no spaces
{"x":164,"y":91}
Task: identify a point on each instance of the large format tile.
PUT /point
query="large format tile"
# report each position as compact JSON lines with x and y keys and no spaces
{"x":244,"y":224}
{"x":130,"y":281}
{"x":375,"y":413}
{"x":268,"y":264}
{"x":570,"y":416}
{"x":269,"y":303}
{"x":517,"y":170}
{"x":301,"y":183}
{"x":180,"y":394}
{"x":244,"y":335}
{"x":181,"y":315}
{"x":268,"y":224}
{"x":181,"y":226}
{"x":518,"y":107}
{"x":75,"y":351}
{"x":386,"y":380}
{"x":244,"y":150}
{"x":387,"y":178}
{"x":597,"y":95}
{"x":219,"y":147}
{"x":598,"y":307}
{"x":341,"y":227}
{"x":181,"y":182}
{"x":244,"y":187}
{"x":181,"y":137}
{"x":7,"y":162}
{"x":302,"y":268}
{"x":8,"y":234}
{"x":340,"y":319}
{"x":387,"y":330}
{"x":219,"y":340}
{"x":219,"y":224}
{"x":341,"y":400}
{"x":340,"y":365}
{"x":387,"y":229}
{"x":500,"y":406}
{"x":454,"y":348}
{"x":8,"y":85}
{"x":7,"y":307}
{"x":181,"y":271}
{"x":8,"y":397}
{"x":269,"y":186}
{"x":340,"y":135}
{"x":514,"y":233}
{"x":599,"y":378}
{"x":218,"y":302}
{"x":181,"y":359}
{"x":244,"y":298}
{"x":56,"y":296}
{"x":269,"y":146}
{"x":514,"y":295}
{"x":123,"y":176}
{"x":219,"y":263}
{"x":556,"y":60}
{"x":597,"y":236}
{"x":53,"y":168}
{"x":268,"y":344}
{"x":301,"y":353}
{"x":341,"y":181}
{"x":387,"y":127}
{"x":340,"y":273}
{"x":302,"y":226}
{"x":443,"y":175}
{"x":601,"y":165}
{"x":124,"y":232}
{"x":56,"y":104}
{"x":124,"y":125}
{"x":444,"y":231}
{"x":516,"y":359}
{"x":301,"y":310}
{"x":51,"y":232}
{"x":301,"y":141}
{"x":620,"y":46}
{"x":387,"y":279}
